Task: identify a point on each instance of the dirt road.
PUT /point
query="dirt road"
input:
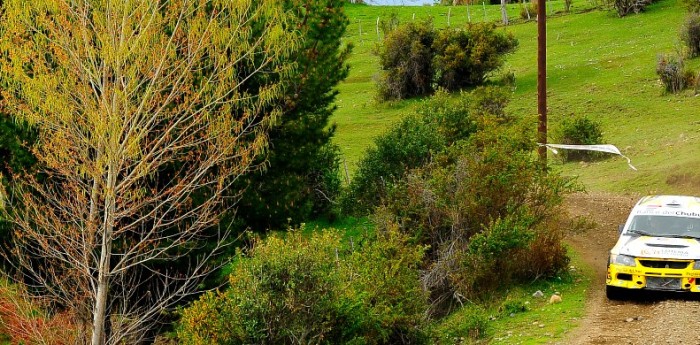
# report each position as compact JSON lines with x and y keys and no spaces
{"x":662,"y":320}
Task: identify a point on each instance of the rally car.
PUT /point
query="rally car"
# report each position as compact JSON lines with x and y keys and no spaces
{"x":658,"y":248}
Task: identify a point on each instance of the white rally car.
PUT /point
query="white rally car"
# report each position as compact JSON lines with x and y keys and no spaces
{"x":658,"y":248}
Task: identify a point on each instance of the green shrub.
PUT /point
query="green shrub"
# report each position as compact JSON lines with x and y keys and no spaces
{"x":415,"y":56}
{"x":481,"y":206}
{"x":693,"y":6}
{"x":507,"y":79}
{"x":407,"y":145}
{"x":285,"y":291}
{"x":464,"y":57}
{"x":514,"y":306}
{"x":439,"y":122}
{"x":491,"y":101}
{"x":579,"y":130}
{"x":300,"y":291}
{"x":690,"y":34}
{"x":384,"y":302}
{"x":625,"y":7}
{"x":546,"y":254}
{"x":406,"y":61}
{"x":671,"y":70}
{"x":451,"y":115}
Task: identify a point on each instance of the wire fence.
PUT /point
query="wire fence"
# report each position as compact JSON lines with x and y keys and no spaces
{"x":369,"y":28}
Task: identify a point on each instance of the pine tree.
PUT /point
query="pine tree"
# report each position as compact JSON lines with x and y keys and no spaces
{"x":300,"y":176}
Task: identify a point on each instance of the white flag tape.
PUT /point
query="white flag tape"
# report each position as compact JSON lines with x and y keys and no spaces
{"x":600,"y":148}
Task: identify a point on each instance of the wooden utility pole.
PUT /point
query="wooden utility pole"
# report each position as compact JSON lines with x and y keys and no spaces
{"x":542,"y":79}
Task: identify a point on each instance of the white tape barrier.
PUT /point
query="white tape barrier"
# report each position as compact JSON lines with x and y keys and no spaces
{"x":600,"y":148}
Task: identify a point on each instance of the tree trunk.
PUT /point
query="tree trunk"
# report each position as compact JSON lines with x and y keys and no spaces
{"x":100,"y":309}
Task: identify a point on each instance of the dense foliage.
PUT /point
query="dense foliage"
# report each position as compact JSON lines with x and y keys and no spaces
{"x":406,"y":61}
{"x":300,"y":177}
{"x":464,"y":57}
{"x":415,"y":56}
{"x":295,"y":290}
{"x":458,"y":192}
{"x":476,"y":197}
{"x":673,"y":73}
{"x":15,"y":145}
{"x":690,"y":34}
{"x":143,"y":120}
{"x":439,"y":122}
{"x":693,"y":6}
{"x":579,"y":130}
{"x":483,"y":206}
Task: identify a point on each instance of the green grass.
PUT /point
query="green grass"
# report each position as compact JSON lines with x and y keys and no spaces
{"x":540,"y":322}
{"x":544,"y":322}
{"x":359,"y":117}
{"x":599,"y":65}
{"x":352,"y":228}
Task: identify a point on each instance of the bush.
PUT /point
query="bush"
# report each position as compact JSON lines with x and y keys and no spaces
{"x":23,"y":319}
{"x":579,"y":130}
{"x":285,"y":291}
{"x":406,"y":61}
{"x":299,"y":291}
{"x":452,"y":116}
{"x":693,"y":6}
{"x":464,"y":58}
{"x":546,"y":254}
{"x":528,"y":10}
{"x":438,"y":123}
{"x":481,"y":207}
{"x":491,"y":101}
{"x":407,"y":145}
{"x":625,"y":7}
{"x":673,"y":74}
{"x":690,"y":34}
{"x":415,"y":56}
{"x":384,"y":302}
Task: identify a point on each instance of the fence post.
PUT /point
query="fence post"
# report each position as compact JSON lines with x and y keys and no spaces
{"x":379,"y":37}
{"x":469,"y":15}
{"x":347,"y":176}
{"x":362,"y":41}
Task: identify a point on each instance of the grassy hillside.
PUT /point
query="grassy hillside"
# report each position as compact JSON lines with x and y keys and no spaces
{"x":598,"y":65}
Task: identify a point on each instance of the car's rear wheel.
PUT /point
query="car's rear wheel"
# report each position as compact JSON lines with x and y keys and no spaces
{"x":615,"y":293}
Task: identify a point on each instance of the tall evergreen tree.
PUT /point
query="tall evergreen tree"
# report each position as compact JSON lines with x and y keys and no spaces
{"x":15,"y":158}
{"x":15,"y":141}
{"x":300,"y":175}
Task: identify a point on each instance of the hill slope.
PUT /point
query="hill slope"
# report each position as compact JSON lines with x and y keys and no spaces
{"x":599,"y":65}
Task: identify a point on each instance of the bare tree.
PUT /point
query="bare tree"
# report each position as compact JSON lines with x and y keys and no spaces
{"x":147,"y":111}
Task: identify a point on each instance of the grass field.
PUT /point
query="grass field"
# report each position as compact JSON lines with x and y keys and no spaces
{"x":599,"y":65}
